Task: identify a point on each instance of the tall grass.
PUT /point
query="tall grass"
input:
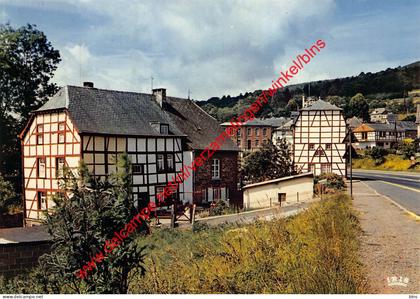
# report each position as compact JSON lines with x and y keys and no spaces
{"x":313,"y":252}
{"x":392,"y":162}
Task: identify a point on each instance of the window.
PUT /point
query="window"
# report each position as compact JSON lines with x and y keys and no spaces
{"x":160,"y":162}
{"x":164,"y":129}
{"x":138,"y":169}
{"x":41,"y":200}
{"x":325,"y":167}
{"x":318,"y":152}
{"x":311,"y":146}
{"x":311,"y":167}
{"x":217,"y":193}
{"x":264,"y":131}
{"x":215,"y":169}
{"x":328,"y":146}
{"x":59,"y":166}
{"x":61,"y":126}
{"x":170,"y":162}
{"x":238,"y":142}
{"x":238,"y":132}
{"x":256,"y":142}
{"x":61,"y":137}
{"x":249,"y":146}
{"x":282,"y":197}
{"x":364,"y":135}
{"x":257,"y":132}
{"x":248,"y":131}
{"x":41,"y":168}
{"x":40,"y":134}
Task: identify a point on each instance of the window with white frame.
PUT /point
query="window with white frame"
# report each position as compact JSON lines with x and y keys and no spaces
{"x":40,"y":134}
{"x":164,"y":129}
{"x":41,"y":165}
{"x":170,"y":165}
{"x":257,"y":132}
{"x":215,"y":169}
{"x":41,"y":200}
{"x":59,"y":166}
{"x":160,"y":163}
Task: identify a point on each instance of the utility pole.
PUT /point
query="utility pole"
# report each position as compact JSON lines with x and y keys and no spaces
{"x":350,"y":162}
{"x":189,"y":94}
{"x":151,"y":83}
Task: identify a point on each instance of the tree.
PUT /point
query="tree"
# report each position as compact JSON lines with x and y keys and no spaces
{"x":270,"y":162}
{"x":359,"y":107}
{"x":292,"y":105}
{"x":408,"y":148}
{"x":80,"y":226}
{"x":7,"y":195}
{"x":27,"y":63}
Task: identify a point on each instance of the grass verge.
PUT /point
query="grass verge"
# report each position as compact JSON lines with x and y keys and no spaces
{"x":392,"y":163}
{"x":313,"y":252}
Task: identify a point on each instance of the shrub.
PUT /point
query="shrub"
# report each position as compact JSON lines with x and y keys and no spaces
{"x":408,"y":148}
{"x":220,"y":207}
{"x":8,"y":196}
{"x":377,"y":154}
{"x":332,"y":181}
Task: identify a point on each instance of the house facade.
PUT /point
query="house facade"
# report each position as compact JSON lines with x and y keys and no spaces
{"x":377,"y":134}
{"x":96,"y":125}
{"x":253,"y":134}
{"x":318,"y":139}
{"x":379,"y":115}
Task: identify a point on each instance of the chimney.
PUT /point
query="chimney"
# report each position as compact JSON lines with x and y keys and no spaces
{"x":303,"y":101}
{"x":88,"y":84}
{"x":159,"y":95}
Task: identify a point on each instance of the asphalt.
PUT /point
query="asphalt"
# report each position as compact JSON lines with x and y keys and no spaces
{"x":402,"y":187}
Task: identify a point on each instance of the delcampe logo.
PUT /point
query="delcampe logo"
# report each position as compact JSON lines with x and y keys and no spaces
{"x":395,"y":281}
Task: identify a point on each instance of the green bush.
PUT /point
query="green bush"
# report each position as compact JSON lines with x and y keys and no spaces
{"x":377,"y":154}
{"x":8,"y":196}
{"x":332,"y":181}
{"x":220,"y":207}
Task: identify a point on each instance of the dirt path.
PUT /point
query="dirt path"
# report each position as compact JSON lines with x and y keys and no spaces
{"x":390,"y":242}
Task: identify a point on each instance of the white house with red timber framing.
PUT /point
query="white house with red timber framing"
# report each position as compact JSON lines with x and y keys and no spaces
{"x":160,"y":134}
{"x":319,"y":139}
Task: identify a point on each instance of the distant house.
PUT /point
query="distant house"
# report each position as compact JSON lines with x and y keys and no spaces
{"x":379,"y":115}
{"x":253,"y":134}
{"x":415,"y":95}
{"x":409,"y":127}
{"x":376,"y":134}
{"x":319,"y":139}
{"x":275,"y":192}
{"x":160,"y":134}
{"x":285,"y":131}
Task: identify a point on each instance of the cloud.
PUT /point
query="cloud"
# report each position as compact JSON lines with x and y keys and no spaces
{"x":211,"y":47}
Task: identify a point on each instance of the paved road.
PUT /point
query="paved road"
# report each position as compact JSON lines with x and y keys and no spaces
{"x":402,"y":187}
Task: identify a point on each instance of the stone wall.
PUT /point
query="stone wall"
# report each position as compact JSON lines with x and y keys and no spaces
{"x":16,"y":258}
{"x":228,"y":174}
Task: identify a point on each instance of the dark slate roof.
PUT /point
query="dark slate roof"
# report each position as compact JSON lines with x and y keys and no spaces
{"x":354,"y":122}
{"x":263,"y":122}
{"x":201,"y":128}
{"x":321,"y":105}
{"x":102,"y":111}
{"x":407,"y":125}
{"x":384,"y":127}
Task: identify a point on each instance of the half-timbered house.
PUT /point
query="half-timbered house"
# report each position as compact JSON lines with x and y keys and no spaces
{"x":96,"y":125}
{"x":318,"y":139}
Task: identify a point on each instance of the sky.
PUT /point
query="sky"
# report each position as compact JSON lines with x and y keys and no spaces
{"x":215,"y":47}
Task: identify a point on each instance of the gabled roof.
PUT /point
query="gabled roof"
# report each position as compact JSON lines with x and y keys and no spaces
{"x":407,"y":125}
{"x":379,"y":111}
{"x":102,"y":111}
{"x":262,"y":122}
{"x":201,"y":128}
{"x":354,"y":122}
{"x":111,"y":112}
{"x":370,"y":127}
{"x":321,"y":105}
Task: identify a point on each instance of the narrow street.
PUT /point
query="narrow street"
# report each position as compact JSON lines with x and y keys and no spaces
{"x":390,"y":242}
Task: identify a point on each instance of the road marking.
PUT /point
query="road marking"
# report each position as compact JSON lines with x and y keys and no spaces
{"x":417,"y":217}
{"x":391,"y":173}
{"x":381,"y":176}
{"x":401,"y":186}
